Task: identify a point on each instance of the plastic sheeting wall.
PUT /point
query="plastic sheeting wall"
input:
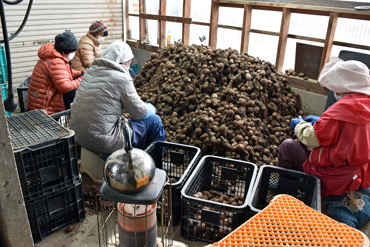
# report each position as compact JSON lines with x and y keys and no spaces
{"x":51,"y":17}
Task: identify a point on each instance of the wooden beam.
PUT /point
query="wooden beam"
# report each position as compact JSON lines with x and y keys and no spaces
{"x":213,"y":25}
{"x":309,"y":85}
{"x":139,"y":45}
{"x":142,"y":22}
{"x":230,"y":27}
{"x":283,"y":37}
{"x":166,"y":18}
{"x":200,"y":23}
{"x":127,"y":20}
{"x":247,"y":18}
{"x":186,"y":26}
{"x":332,"y":26}
{"x":162,"y":24}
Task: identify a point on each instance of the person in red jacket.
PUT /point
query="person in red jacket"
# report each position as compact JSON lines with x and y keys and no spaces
{"x":336,"y":147}
{"x":53,"y":82}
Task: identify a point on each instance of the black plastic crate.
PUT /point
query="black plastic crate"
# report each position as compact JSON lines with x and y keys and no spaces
{"x":63,"y":118}
{"x":48,"y":167}
{"x":59,"y":209}
{"x":272,"y":181}
{"x":45,"y":153}
{"x":22,"y":91}
{"x":178,"y":161}
{"x":208,"y":220}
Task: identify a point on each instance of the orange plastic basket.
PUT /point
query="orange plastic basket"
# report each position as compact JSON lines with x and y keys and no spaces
{"x":287,"y":221}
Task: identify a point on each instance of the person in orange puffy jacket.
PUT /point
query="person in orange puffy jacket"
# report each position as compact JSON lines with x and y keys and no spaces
{"x":53,"y":82}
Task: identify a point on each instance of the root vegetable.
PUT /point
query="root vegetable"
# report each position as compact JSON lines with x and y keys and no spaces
{"x":219,"y":100}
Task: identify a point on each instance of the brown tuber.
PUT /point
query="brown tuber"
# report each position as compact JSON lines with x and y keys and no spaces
{"x":221,"y":101}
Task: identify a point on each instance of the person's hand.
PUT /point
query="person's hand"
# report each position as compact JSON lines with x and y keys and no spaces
{"x":295,"y":121}
{"x":150,"y":110}
{"x":311,"y":118}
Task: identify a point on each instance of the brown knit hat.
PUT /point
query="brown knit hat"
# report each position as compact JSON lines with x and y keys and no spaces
{"x":97,"y":27}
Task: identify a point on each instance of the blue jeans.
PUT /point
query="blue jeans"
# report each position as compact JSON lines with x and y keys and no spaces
{"x":145,"y":132}
{"x":351,"y":208}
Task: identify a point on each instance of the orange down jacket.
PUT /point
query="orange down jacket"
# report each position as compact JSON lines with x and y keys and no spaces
{"x":51,"y":78}
{"x":89,"y":48}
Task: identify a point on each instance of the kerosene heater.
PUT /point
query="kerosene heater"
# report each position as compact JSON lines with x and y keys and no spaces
{"x":127,"y":204}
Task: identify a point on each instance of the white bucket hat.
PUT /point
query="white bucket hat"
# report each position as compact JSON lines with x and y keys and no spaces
{"x":345,"y":76}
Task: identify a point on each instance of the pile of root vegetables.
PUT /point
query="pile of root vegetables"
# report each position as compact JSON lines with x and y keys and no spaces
{"x":228,"y":104}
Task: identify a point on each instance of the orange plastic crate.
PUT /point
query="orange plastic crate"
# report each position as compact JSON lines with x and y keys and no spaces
{"x":287,"y":221}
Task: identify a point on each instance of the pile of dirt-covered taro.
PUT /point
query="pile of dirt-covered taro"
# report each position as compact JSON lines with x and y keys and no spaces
{"x":228,"y":104}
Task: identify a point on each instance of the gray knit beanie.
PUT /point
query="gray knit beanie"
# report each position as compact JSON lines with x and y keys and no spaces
{"x":66,"y":42}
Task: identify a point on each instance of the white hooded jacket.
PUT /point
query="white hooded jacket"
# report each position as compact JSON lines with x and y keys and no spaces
{"x":105,"y":91}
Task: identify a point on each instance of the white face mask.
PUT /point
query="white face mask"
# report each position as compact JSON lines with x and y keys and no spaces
{"x":101,"y":39}
{"x":71,"y":56}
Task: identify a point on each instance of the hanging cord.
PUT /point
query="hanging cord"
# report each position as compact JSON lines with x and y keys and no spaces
{"x":10,"y":102}
{"x":24,"y":19}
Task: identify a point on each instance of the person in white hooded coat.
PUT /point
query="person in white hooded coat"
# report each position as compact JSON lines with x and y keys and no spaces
{"x":106,"y":90}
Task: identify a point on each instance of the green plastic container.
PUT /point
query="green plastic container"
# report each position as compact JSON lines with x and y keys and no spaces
{"x":3,"y":69}
{"x":4,"y":92}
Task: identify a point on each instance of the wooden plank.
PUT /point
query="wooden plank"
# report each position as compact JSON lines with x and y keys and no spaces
{"x":309,"y":85}
{"x":283,"y":37}
{"x":200,"y":23}
{"x":213,"y":25}
{"x":139,"y":45}
{"x":162,"y":24}
{"x":312,"y":5}
{"x":186,"y":26}
{"x":127,"y":20}
{"x":264,"y":32}
{"x":365,"y":47}
{"x":247,"y":18}
{"x":166,"y":18}
{"x":332,"y":26}
{"x":230,"y":27}
{"x":142,"y":21}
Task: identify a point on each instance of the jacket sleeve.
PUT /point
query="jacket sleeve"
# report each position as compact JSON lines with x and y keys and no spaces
{"x":305,"y":133}
{"x":60,"y":73}
{"x":131,"y":100}
{"x":327,"y":131}
{"x":86,"y":51}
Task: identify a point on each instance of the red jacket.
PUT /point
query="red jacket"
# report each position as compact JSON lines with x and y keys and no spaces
{"x":343,"y":131}
{"x":51,"y":78}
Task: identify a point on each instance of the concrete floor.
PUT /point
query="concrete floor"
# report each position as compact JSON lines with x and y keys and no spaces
{"x":85,"y":234}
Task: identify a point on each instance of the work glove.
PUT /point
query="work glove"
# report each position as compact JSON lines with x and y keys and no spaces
{"x":311,"y":118}
{"x":150,"y":110}
{"x":295,"y":121}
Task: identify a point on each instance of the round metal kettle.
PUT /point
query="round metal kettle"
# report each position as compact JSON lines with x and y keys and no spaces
{"x":129,"y":170}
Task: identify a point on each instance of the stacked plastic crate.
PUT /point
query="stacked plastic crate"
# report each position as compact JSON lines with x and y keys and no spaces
{"x":47,"y":163}
{"x":3,"y":76}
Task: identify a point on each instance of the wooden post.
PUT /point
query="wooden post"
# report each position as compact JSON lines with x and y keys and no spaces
{"x":332,"y":26}
{"x":142,"y":21}
{"x":186,"y":27}
{"x":283,"y":38}
{"x":246,"y":28}
{"x":127,"y":20}
{"x":213,"y":25}
{"x":162,"y":24}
